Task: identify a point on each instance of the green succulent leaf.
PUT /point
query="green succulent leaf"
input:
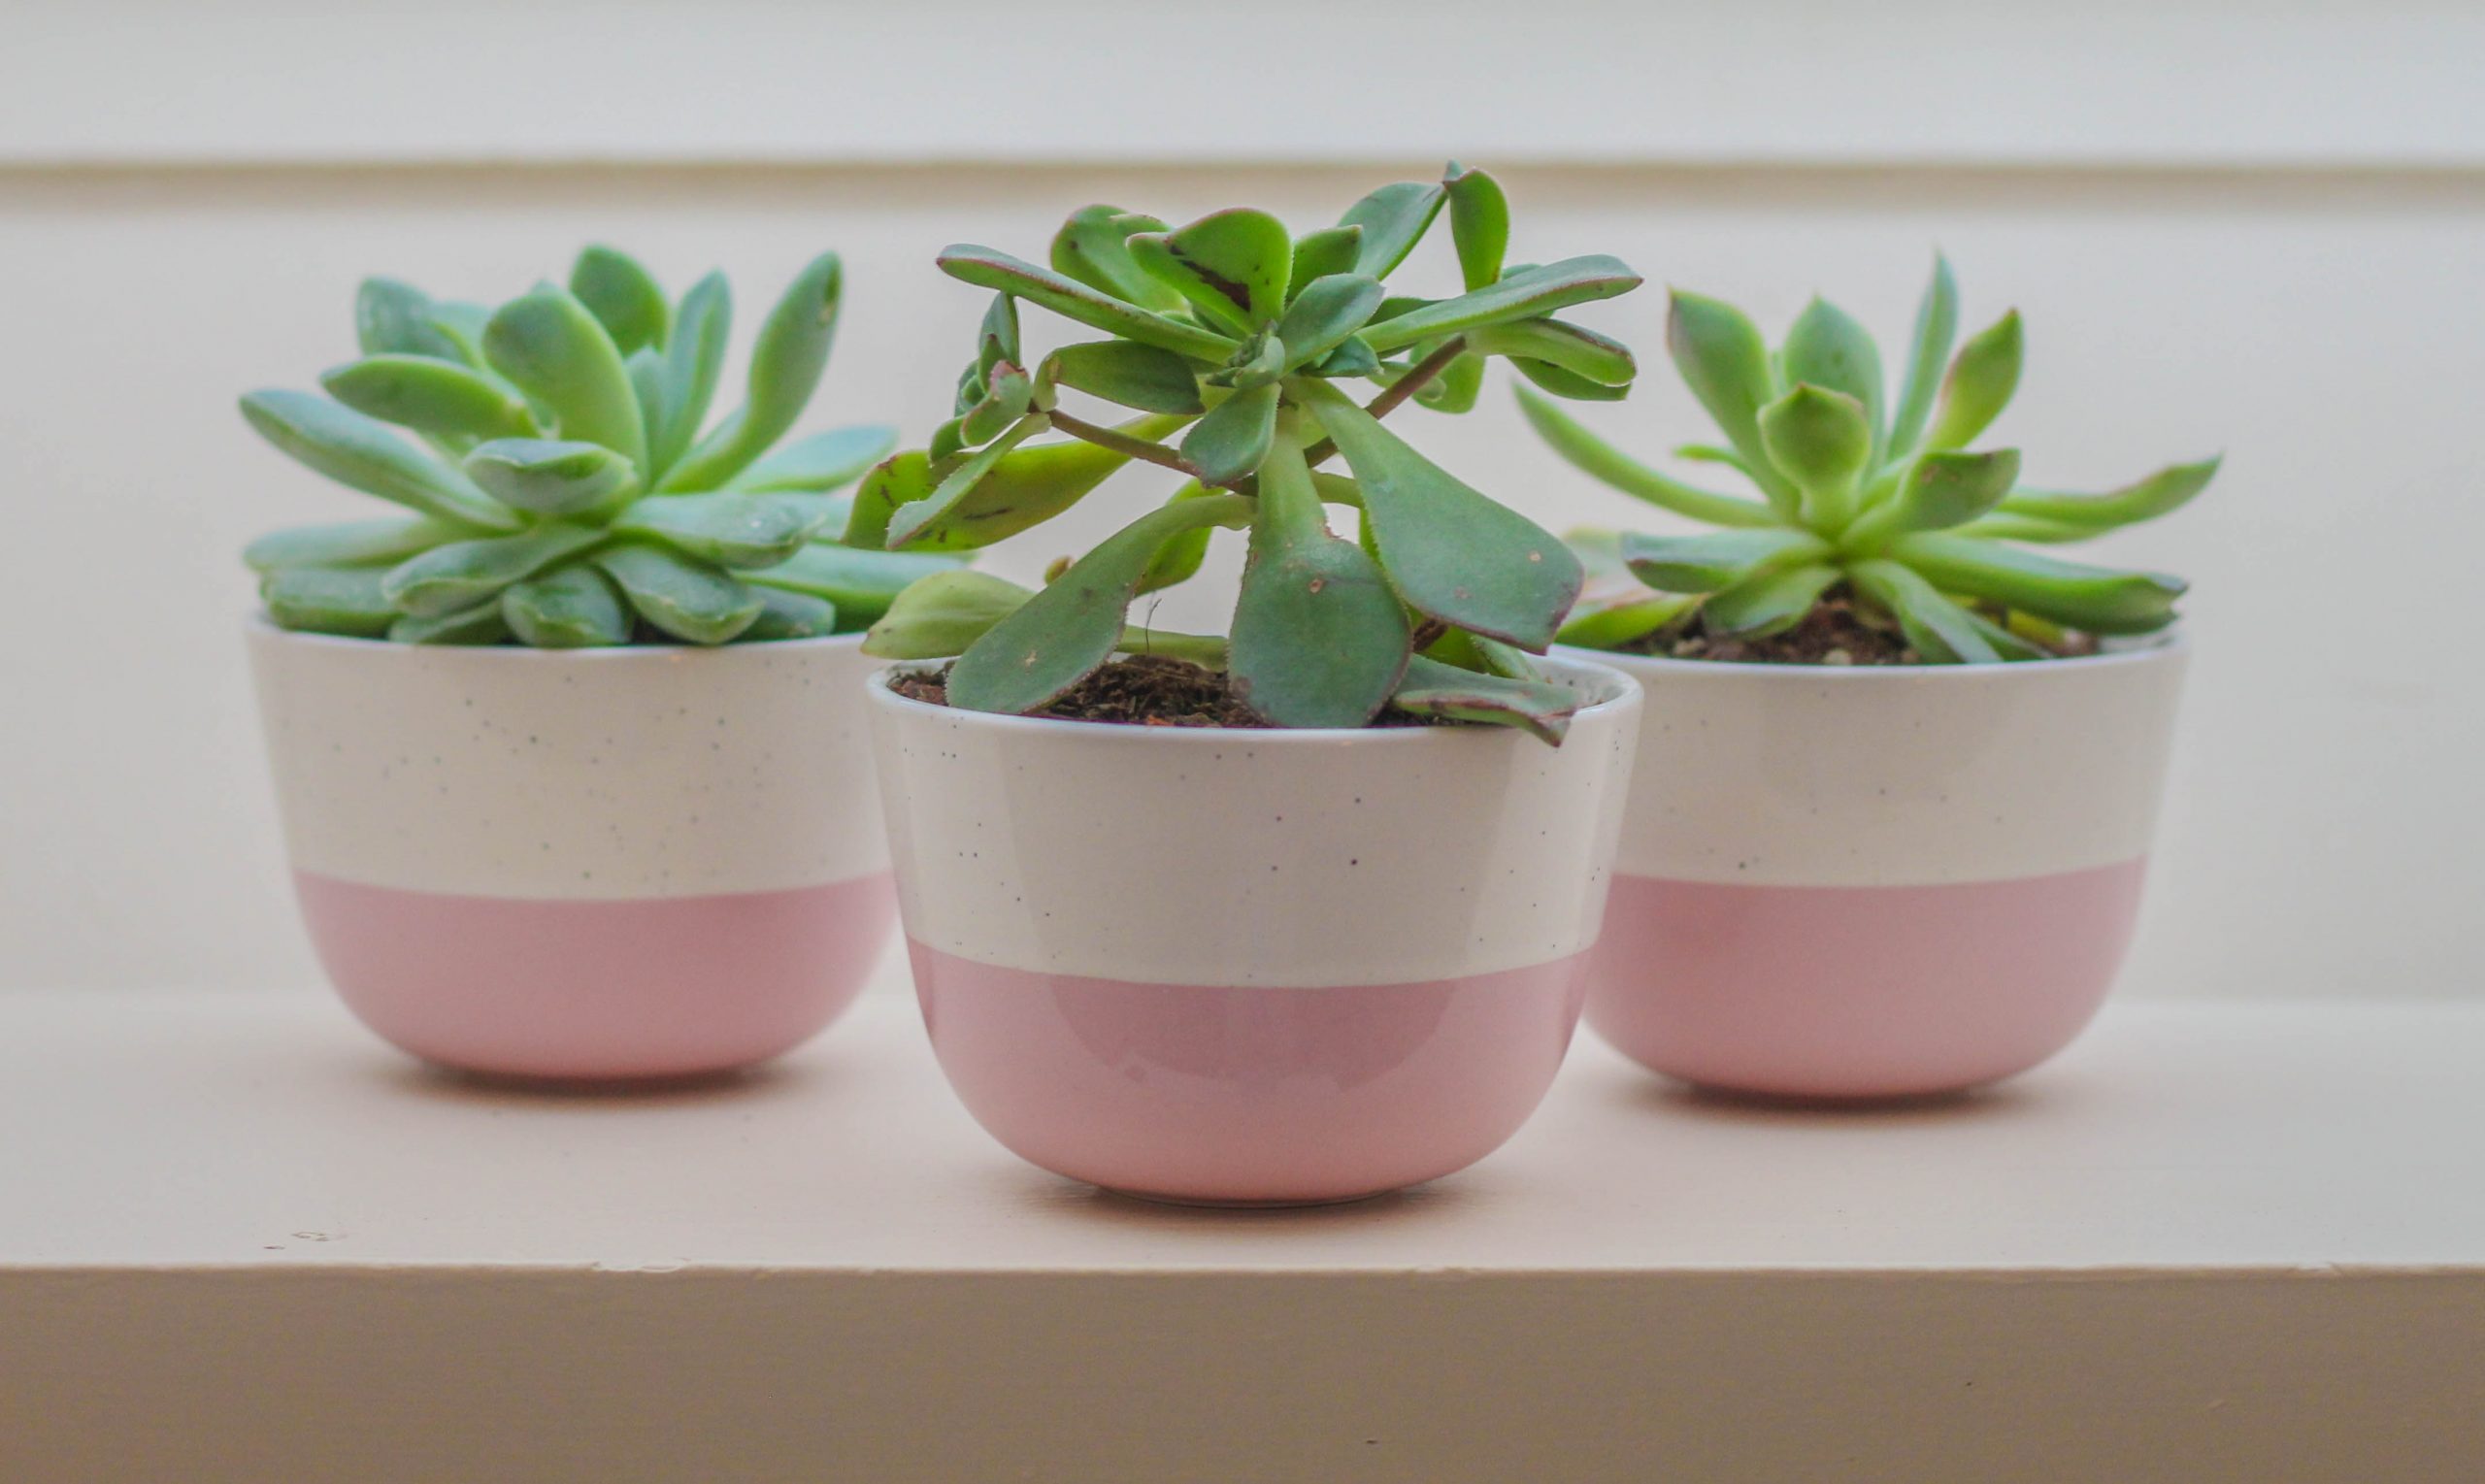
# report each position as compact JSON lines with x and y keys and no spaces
{"x":1567,"y":384}
{"x":346,"y":600}
{"x":913,"y":518}
{"x":1071,"y":299}
{"x":571,"y":607}
{"x":1715,"y":560}
{"x":1026,"y":488}
{"x":1318,"y":638}
{"x":1128,"y":373}
{"x":350,"y":544}
{"x":787,"y":614}
{"x":2162,"y":493}
{"x":1179,"y":560}
{"x":482,"y":624}
{"x":1614,"y":608}
{"x":1726,"y":364}
{"x":1452,"y":554}
{"x":1392,"y":220}
{"x":1007,"y":398}
{"x":2097,"y":598}
{"x":786,"y":361}
{"x":1827,"y":348}
{"x":1601,"y":460}
{"x":1939,"y":490}
{"x":1324,"y":314}
{"x":623,"y":296}
{"x":1354,"y":358}
{"x":1431,"y":688}
{"x":545,"y":477}
{"x":550,"y":348}
{"x":2010,"y":647}
{"x":941,"y":614}
{"x":1480,"y":223}
{"x":463,"y":573}
{"x":1939,"y":630}
{"x":1822,"y":441}
{"x":1455,"y":390}
{"x":431,"y":396}
{"x":1074,"y":625}
{"x":359,"y":451}
{"x":1525,"y":294}
{"x":694,"y":359}
{"x":1979,"y":384}
{"x":1093,"y":247}
{"x":730,"y":529}
{"x":1937,"y":325}
{"x":997,"y":342}
{"x":1231,"y":266}
{"x":393,"y":318}
{"x":1582,"y":353}
{"x":1768,"y":602}
{"x":1230,"y":441}
{"x":861,"y":584}
{"x":690,"y":600}
{"x":819,"y":463}
{"x":1322,"y":255}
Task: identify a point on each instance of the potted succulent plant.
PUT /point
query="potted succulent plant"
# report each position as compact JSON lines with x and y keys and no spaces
{"x":1314,"y":927}
{"x":1901,"y":768}
{"x":571,"y":755}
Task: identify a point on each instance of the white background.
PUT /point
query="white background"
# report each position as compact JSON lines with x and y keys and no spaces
{"x":2256,"y":227}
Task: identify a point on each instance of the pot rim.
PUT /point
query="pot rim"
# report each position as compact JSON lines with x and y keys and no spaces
{"x":2166,"y":644}
{"x":1623,"y":698}
{"x":257,"y":622}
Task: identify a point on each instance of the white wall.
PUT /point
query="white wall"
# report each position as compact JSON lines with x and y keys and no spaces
{"x":2283,"y":257}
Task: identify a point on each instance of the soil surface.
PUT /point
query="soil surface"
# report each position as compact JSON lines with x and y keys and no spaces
{"x":1146,"y":691}
{"x":1835,"y":631}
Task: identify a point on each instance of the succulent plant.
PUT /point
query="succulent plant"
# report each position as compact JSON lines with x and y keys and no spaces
{"x":567,"y":496}
{"x":1856,"y":494}
{"x":1238,"y":336}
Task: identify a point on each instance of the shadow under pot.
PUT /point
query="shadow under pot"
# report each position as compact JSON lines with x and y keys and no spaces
{"x":1251,"y":967}
{"x":587,"y":864}
{"x":1880,"y":881}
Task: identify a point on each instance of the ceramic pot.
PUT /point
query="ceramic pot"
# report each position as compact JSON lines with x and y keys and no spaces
{"x":1252,"y":967}
{"x":648,"y":862}
{"x":1880,"y":881}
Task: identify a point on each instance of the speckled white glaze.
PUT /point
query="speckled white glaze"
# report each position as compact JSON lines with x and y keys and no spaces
{"x":583,"y":775}
{"x":1808,"y":776}
{"x":1287,"y":859}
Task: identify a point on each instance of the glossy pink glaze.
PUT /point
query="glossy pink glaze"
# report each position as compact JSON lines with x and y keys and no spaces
{"x":662,"y":987}
{"x":1858,"y":990}
{"x":1249,"y":1096}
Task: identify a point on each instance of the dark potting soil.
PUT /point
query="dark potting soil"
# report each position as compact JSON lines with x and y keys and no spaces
{"x":1835,"y":631}
{"x":1143,"y":690}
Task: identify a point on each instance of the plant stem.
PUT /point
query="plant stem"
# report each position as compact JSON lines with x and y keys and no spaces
{"x":1397,"y":392}
{"x":1122,"y":442}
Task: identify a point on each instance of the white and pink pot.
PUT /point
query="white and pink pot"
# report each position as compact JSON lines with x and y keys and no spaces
{"x":1878,"y":883}
{"x":585,"y":864}
{"x":1252,"y":967}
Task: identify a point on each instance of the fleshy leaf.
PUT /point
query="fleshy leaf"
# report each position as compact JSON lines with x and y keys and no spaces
{"x":1324,"y":314}
{"x":1725,"y":363}
{"x":1768,"y":602}
{"x":1565,"y":383}
{"x":1074,"y":625}
{"x":1318,"y":638}
{"x":1480,"y":223}
{"x":329,"y":599}
{"x":694,"y":359}
{"x":1128,"y":373}
{"x":787,"y":614}
{"x":1601,"y":460}
{"x":1715,"y":560}
{"x":1822,"y":441}
{"x":690,"y":600}
{"x":1066,"y":296}
{"x":623,"y":296}
{"x":482,"y":624}
{"x":1826,"y":347}
{"x":862,"y":585}
{"x":431,"y":396}
{"x":1026,"y":488}
{"x":1007,"y":397}
{"x":1392,"y":220}
{"x":1980,"y":384}
{"x":913,"y":518}
{"x":1451,"y":552}
{"x":1093,"y":247}
{"x":1230,"y":440}
{"x":1232,"y":265}
{"x":785,"y":365}
{"x":393,"y":318}
{"x":1939,"y":490}
{"x":941,"y":615}
{"x":1583,"y":352}
{"x":1322,"y":255}
{"x":1526,"y":294}
{"x":552,"y":349}
{"x":1941,"y":631}
{"x":1178,"y":559}
{"x":1937,"y":325}
{"x":548,"y":477}
{"x":349,"y":544}
{"x":730,"y":530}
{"x":465,"y":572}
{"x":574,"y":607}
{"x":2162,"y":493}
{"x":819,"y":463}
{"x":1432,"y":688}
{"x":359,"y":451}
{"x":1457,"y":388}
{"x":997,"y":342}
{"x":2097,"y":598}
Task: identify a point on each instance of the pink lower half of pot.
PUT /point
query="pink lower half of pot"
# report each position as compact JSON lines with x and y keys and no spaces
{"x":1249,"y":1096}
{"x":660,"y":987}
{"x":1858,"y":990}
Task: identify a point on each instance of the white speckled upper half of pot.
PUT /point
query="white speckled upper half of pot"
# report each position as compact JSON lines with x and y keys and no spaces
{"x":594,"y":774}
{"x":1165,"y":855}
{"x":1928,"y":774}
